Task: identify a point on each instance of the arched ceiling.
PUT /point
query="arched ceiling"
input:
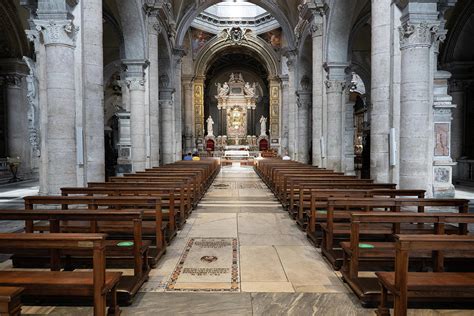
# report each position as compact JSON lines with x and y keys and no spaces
{"x":285,"y":12}
{"x":228,"y":59}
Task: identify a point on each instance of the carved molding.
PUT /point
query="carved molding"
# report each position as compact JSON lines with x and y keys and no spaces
{"x":236,"y":35}
{"x":316,"y":29}
{"x":57,"y":32}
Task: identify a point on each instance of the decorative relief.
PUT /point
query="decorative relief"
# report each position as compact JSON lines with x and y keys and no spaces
{"x":236,"y":35}
{"x":442,"y":175}
{"x":417,"y":35}
{"x":57,"y":32}
{"x":33,"y":108}
{"x":199,"y":109}
{"x":316,"y":29}
{"x":441,"y":139}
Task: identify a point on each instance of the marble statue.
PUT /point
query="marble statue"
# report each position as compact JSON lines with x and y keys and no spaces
{"x":224,"y":90}
{"x":210,"y":124}
{"x":263,"y":126}
{"x":249,"y":90}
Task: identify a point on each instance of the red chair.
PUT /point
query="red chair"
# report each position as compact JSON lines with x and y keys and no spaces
{"x":210,"y":145}
{"x":263,"y":145}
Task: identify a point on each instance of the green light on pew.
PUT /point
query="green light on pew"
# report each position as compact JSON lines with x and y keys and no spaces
{"x":366,"y":246}
{"x":125,"y":244}
{"x":322,"y":212}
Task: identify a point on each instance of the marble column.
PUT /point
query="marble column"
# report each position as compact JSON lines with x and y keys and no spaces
{"x":292,"y":107}
{"x":93,"y":90}
{"x":154,"y":29}
{"x":318,"y":82}
{"x":335,"y":113}
{"x":284,"y":113}
{"x":59,"y":155}
{"x":380,"y":90}
{"x":178,"y":103}
{"x":304,"y":103}
{"x":457,"y":126}
{"x":136,"y":84}
{"x":419,"y":22}
{"x":17,"y":119}
{"x":167,"y":114}
{"x":349,"y":130}
{"x":188,"y":115}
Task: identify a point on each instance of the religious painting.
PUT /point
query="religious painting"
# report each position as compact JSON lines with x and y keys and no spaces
{"x":441,"y":139}
{"x":199,"y":39}
{"x":273,"y":37}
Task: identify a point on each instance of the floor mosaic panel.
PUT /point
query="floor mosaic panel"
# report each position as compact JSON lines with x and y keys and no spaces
{"x":207,"y":265}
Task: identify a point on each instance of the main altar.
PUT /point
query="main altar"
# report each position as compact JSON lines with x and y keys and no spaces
{"x":236,"y":100}
{"x":236,"y":104}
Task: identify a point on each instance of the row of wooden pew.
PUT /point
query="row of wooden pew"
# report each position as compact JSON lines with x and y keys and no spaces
{"x":384,"y":240}
{"x":125,"y":223}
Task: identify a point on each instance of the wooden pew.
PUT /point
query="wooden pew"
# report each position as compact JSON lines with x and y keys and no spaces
{"x":153,"y":226}
{"x":10,"y":300}
{"x":57,"y":285}
{"x":318,"y":204}
{"x":431,"y":286}
{"x":337,"y":226}
{"x":380,"y":255}
{"x":134,"y":256}
{"x":169,"y":205}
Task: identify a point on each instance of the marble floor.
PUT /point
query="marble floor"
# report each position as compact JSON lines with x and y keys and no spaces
{"x":240,"y":254}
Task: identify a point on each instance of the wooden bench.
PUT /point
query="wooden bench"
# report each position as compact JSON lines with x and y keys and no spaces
{"x":380,"y":255}
{"x":337,"y":227}
{"x":132,"y":255}
{"x":58,"y":285}
{"x":431,"y":286}
{"x":10,"y":300}
{"x":154,"y":228}
{"x":308,"y":214}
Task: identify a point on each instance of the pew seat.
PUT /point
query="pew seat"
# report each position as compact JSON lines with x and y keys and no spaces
{"x":10,"y":300}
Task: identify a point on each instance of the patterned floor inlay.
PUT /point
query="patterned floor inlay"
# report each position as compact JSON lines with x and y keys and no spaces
{"x":207,"y":265}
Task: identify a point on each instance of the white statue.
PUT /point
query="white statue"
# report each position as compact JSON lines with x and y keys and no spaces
{"x":210,"y":124}
{"x":224,"y":90}
{"x":249,"y":90}
{"x":263,"y":126}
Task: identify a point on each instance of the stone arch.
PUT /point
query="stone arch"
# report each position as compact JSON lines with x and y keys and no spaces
{"x":14,"y":40}
{"x":251,"y":43}
{"x":200,"y":6}
{"x":133,"y":28}
{"x":338,"y":30}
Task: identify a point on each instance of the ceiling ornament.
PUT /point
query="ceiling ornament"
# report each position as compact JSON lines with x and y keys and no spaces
{"x":236,"y":35}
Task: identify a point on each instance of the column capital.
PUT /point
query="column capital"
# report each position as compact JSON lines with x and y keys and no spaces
{"x":11,"y":80}
{"x":135,"y":68}
{"x":291,"y":55}
{"x":337,"y":71}
{"x":335,"y":86}
{"x":421,"y":34}
{"x":178,"y":54}
{"x":134,"y":83}
{"x":57,"y":32}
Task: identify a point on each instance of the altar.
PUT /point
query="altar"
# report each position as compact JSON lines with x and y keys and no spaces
{"x":236,"y":103}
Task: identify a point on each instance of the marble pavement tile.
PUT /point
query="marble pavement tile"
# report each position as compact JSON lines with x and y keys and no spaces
{"x":298,"y":304}
{"x":168,"y":304}
{"x":260,"y":264}
{"x":304,"y":266}
{"x":274,"y":239}
{"x":278,"y":287}
{"x":255,"y":223}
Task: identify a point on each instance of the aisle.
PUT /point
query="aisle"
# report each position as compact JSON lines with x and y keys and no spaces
{"x":276,"y":270}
